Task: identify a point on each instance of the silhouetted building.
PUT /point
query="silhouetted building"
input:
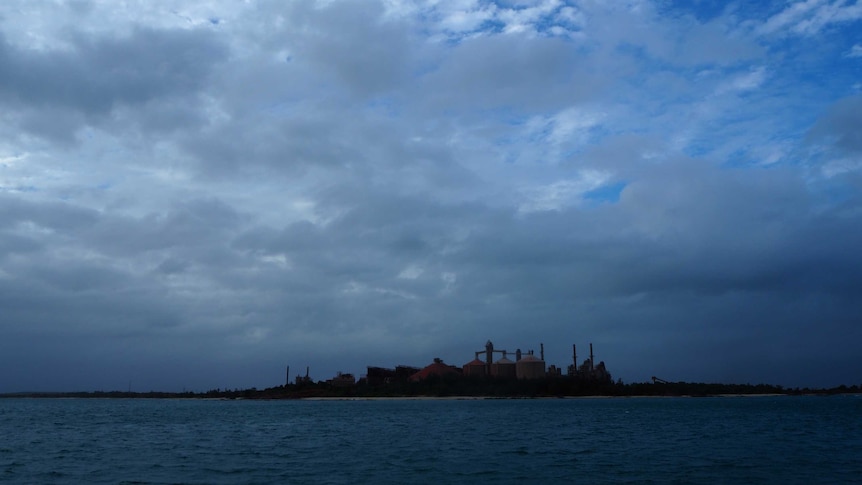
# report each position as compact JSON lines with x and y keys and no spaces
{"x":589,"y":371}
{"x":503,"y":368}
{"x":403,"y":373}
{"x":530,"y":367}
{"x":379,"y":376}
{"x":343,"y":380}
{"x":303,"y":379}
{"x":475,"y":368}
{"x":438,"y":368}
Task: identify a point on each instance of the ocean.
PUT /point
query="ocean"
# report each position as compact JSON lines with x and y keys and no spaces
{"x":781,"y":439}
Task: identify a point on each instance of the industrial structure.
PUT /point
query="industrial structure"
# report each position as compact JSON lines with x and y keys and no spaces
{"x":301,"y":379}
{"x":523,"y":367}
{"x":378,"y":376}
{"x":342,"y":379}
{"x":526,"y":366}
{"x":437,"y":368}
{"x":588,"y":369}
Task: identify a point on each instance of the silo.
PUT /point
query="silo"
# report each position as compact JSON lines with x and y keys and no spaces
{"x":530,"y":367}
{"x":474,"y":368}
{"x":503,"y":368}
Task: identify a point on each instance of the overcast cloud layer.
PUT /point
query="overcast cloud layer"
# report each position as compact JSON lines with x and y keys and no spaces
{"x":196,"y":194}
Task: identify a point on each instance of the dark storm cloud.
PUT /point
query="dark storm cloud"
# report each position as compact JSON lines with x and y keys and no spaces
{"x":95,"y":75}
{"x":52,"y":215}
{"x":340,"y":184}
{"x":55,"y":299}
{"x":13,"y":243}
{"x":192,"y":227}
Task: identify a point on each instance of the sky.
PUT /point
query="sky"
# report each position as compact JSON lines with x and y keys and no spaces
{"x":195,"y":195}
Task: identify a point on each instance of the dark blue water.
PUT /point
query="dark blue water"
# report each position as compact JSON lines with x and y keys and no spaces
{"x":673,"y":440}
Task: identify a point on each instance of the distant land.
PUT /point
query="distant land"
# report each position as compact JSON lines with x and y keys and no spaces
{"x":527,"y":376}
{"x":453,"y":387}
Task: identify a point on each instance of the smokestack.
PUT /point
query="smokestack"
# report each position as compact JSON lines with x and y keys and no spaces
{"x":591,"y":356}
{"x":287,"y":376}
{"x":575,"y":356}
{"x":542,"y":351}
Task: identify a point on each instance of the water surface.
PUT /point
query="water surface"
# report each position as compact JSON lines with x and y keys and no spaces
{"x":626,"y":440}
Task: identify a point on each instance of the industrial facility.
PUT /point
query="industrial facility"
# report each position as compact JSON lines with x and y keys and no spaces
{"x":526,"y":365}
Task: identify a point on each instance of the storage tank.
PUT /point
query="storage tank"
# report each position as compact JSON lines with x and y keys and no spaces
{"x":503,"y":368}
{"x":474,"y":368}
{"x":530,"y":367}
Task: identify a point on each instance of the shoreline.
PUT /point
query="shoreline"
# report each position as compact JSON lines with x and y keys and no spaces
{"x":521,"y":398}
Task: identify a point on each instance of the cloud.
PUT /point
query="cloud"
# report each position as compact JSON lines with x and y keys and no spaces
{"x":840,"y":127}
{"x":561,"y":193}
{"x":809,"y":17}
{"x":745,"y":82}
{"x":195,"y":197}
{"x":86,"y":82}
{"x":504,"y":71}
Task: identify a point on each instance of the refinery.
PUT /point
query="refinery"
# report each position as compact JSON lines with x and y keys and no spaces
{"x":525,"y":366}
{"x":492,"y":373}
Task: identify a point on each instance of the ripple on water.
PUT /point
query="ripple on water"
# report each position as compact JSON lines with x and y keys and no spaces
{"x":766,"y":440}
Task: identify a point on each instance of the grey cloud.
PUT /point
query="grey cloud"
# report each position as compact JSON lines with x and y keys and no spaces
{"x":842,"y":125}
{"x":98,"y":74}
{"x":288,"y":146}
{"x":12,"y":243}
{"x":172,"y":266}
{"x":333,"y":148}
{"x":51,"y":215}
{"x":69,"y":301}
{"x":366,"y":54}
{"x":325,"y":187}
{"x":513,"y":72}
{"x":703,"y":44}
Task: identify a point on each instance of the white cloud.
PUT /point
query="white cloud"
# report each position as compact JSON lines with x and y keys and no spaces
{"x":809,"y":17}
{"x":573,"y":125}
{"x":557,"y":195}
{"x":841,"y":166}
{"x":411,"y":272}
{"x":525,"y":19}
{"x":744,"y":82}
